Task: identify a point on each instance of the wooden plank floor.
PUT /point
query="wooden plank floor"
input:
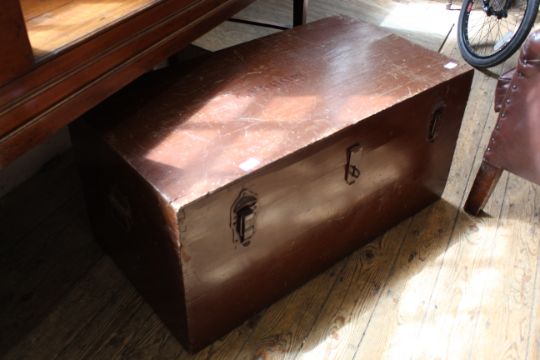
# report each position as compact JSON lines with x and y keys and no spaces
{"x":441,"y":284}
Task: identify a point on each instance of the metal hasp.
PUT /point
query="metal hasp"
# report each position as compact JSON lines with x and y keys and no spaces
{"x":300,"y":8}
{"x":352,"y":169}
{"x":243,"y":217}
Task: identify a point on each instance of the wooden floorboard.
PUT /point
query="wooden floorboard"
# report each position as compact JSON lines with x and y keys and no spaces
{"x":42,"y":267}
{"x":29,"y":209}
{"x":396,"y":16}
{"x":441,"y":284}
{"x":533,"y":334}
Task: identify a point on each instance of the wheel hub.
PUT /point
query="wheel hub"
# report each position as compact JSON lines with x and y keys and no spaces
{"x":490,"y":11}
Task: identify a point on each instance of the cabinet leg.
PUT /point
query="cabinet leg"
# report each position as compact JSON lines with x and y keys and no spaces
{"x":300,"y":12}
{"x":483,"y":186}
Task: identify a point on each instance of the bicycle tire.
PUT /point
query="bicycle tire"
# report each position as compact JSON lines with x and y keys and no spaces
{"x":508,"y":49}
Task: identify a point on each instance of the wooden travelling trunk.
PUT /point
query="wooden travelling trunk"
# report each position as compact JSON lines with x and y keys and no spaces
{"x":220,"y":189}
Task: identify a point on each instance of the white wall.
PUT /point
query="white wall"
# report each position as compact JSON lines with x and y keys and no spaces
{"x":30,"y":163}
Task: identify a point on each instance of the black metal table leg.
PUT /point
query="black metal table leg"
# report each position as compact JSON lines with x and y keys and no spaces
{"x":299,"y":17}
{"x":300,"y":12}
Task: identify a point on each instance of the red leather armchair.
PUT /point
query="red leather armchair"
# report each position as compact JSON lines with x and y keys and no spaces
{"x":515,"y":142}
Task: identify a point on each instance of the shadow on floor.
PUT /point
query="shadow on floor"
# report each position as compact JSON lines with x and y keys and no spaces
{"x":62,"y":297}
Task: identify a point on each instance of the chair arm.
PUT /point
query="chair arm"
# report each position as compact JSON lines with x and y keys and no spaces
{"x":515,"y":140}
{"x":529,"y":60}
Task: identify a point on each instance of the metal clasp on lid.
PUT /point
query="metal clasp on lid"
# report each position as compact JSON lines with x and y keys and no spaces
{"x":243,"y":213}
{"x":352,"y":169}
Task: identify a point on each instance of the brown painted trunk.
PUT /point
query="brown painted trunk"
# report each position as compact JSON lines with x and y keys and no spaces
{"x":220,"y":189}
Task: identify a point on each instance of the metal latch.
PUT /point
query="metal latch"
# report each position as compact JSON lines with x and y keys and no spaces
{"x":352,"y":169}
{"x":243,"y":214}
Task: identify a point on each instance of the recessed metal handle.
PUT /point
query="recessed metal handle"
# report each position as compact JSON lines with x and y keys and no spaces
{"x":435,"y":122}
{"x":120,"y":207}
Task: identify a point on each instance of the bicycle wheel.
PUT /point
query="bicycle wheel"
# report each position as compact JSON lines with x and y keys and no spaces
{"x":490,"y":31}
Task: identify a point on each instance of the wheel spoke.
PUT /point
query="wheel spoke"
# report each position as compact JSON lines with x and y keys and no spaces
{"x":488,"y":35}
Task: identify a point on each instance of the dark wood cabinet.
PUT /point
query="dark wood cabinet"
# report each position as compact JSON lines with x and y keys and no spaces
{"x":14,"y":46}
{"x":62,"y":57}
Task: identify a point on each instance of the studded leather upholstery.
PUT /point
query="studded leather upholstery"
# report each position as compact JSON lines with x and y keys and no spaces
{"x":515,"y":141}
